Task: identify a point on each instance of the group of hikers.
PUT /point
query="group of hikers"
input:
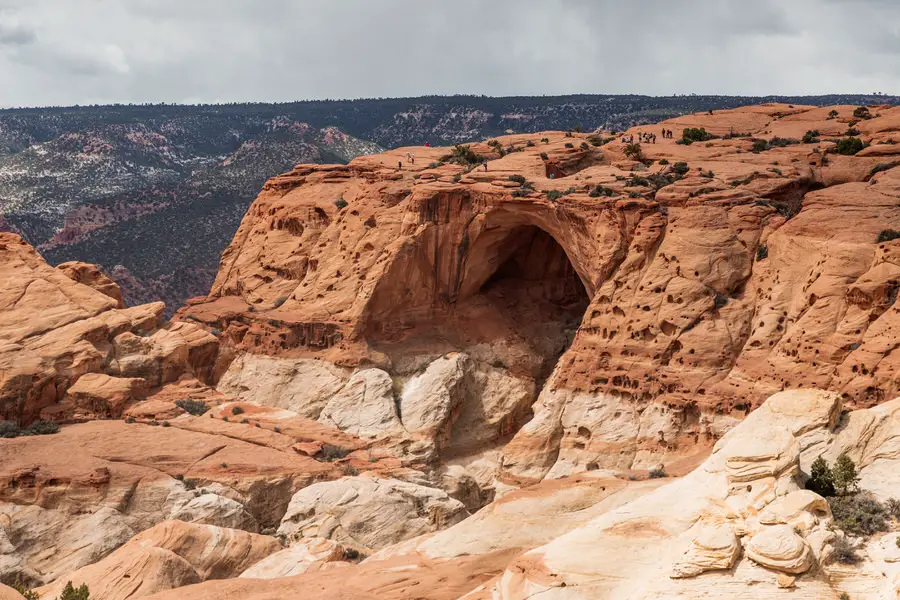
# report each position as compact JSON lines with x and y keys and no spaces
{"x":647,"y":138}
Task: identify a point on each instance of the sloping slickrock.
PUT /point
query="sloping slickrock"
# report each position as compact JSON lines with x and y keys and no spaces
{"x":7,"y":593}
{"x":170,"y":555}
{"x":93,"y":277}
{"x":297,"y":559}
{"x":368,"y":511}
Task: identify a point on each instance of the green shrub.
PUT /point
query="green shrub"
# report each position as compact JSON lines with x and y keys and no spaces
{"x":237,"y":410}
{"x":859,"y":514}
{"x":862,"y":112}
{"x":435,"y":165}
{"x":529,"y":143}
{"x":853,"y":131}
{"x":554,"y":195}
{"x":545,"y":140}
{"x":833,"y":114}
{"x":520,"y":179}
{"x":72,"y":593}
{"x":331,"y":453}
{"x":658,"y":472}
{"x":544,"y":156}
{"x":778,"y":142}
{"x":278,"y":302}
{"x":463,"y":155}
{"x":41,"y":428}
{"x":762,"y":253}
{"x":634,"y":152}
{"x":341,"y":204}
{"x":811,"y":137}
{"x":680,"y":168}
{"x":9,"y":429}
{"x":880,"y":168}
{"x":24,"y":590}
{"x":848,"y":146}
{"x":820,"y":479}
{"x":276,"y":429}
{"x":351,"y":471}
{"x":569,"y":145}
{"x":695,"y":134}
{"x":192,"y":407}
{"x":846,"y":479}
{"x":601,"y":191}
{"x":663,"y":161}
{"x":190,"y":484}
{"x":760,"y":146}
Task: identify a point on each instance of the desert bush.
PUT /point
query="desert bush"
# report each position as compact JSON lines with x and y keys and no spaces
{"x":844,"y":552}
{"x":24,"y":590}
{"x":779,"y":142}
{"x":762,"y":253}
{"x":862,"y":112}
{"x":279,"y":301}
{"x":463,"y":155}
{"x":435,"y":165}
{"x":544,"y":156}
{"x":848,"y":146}
{"x":40,"y":428}
{"x":520,"y":179}
{"x":529,"y":143}
{"x":72,"y":593}
{"x":341,"y":204}
{"x":833,"y":114}
{"x":859,"y":514}
{"x":545,"y":140}
{"x":695,"y":134}
{"x":658,"y":472}
{"x":634,"y":152}
{"x":680,"y":168}
{"x":811,"y":137}
{"x":853,"y":131}
{"x":8,"y":429}
{"x":821,"y":480}
{"x":600,"y":190}
{"x":636,"y":181}
{"x":192,"y":407}
{"x":760,"y":145}
{"x":237,"y":410}
{"x":880,"y":168}
{"x":663,"y":161}
{"x":893,"y":508}
{"x":569,"y":145}
{"x":351,"y":471}
{"x":331,"y":453}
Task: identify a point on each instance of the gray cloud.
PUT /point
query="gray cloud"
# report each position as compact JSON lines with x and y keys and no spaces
{"x":87,"y":51}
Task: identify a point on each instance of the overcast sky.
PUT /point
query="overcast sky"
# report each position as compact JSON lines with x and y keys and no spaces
{"x":55,"y":52}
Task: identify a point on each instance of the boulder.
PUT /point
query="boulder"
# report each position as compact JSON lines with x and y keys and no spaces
{"x":778,"y":547}
{"x":368,"y":511}
{"x":365,"y":406}
{"x":91,"y":276}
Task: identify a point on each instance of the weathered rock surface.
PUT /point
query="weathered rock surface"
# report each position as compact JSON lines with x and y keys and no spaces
{"x":93,"y":277}
{"x":299,"y":558}
{"x":170,"y":555}
{"x":368,"y":511}
{"x":54,"y":329}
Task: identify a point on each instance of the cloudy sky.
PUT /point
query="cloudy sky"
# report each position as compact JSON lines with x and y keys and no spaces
{"x":55,"y":52}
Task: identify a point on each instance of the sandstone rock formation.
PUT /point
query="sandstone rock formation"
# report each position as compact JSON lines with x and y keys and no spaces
{"x":170,"y":555}
{"x":652,"y":304}
{"x":368,"y":512}
{"x":297,"y":559}
{"x":92,"y":277}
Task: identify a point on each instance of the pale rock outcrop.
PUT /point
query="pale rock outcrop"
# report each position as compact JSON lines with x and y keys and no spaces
{"x":212,"y":509}
{"x":299,"y":558}
{"x":167,"y":556}
{"x":429,"y":401}
{"x":778,"y":547}
{"x":740,"y":517}
{"x":301,"y":385}
{"x":368,"y":511}
{"x":365,"y":406}
{"x":713,"y":547}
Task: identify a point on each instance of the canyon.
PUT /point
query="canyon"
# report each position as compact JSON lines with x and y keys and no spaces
{"x":481,"y":371}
